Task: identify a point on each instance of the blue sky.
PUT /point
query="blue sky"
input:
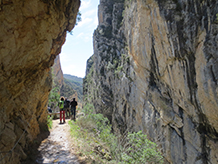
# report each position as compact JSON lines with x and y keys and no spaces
{"x":79,"y":46}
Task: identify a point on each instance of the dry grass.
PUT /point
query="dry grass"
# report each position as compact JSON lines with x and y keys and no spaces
{"x":88,"y":145}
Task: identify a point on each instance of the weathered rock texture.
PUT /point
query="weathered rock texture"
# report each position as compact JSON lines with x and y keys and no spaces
{"x":32,"y":33}
{"x":157,"y":71}
{"x":57,"y":72}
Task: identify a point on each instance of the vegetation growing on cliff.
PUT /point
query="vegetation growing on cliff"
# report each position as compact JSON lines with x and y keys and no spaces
{"x":138,"y":149}
{"x":216,"y":19}
{"x":78,"y":19}
{"x":88,"y":81}
{"x":96,"y":142}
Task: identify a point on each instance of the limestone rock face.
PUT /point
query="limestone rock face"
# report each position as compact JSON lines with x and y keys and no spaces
{"x":32,"y":33}
{"x":157,"y":72}
{"x":57,"y":72}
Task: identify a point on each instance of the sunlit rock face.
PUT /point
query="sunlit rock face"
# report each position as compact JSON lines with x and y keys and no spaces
{"x":57,"y":72}
{"x":156,"y":70}
{"x":32,"y":33}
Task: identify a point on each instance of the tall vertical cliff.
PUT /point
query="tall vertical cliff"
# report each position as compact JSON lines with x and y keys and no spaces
{"x":32,"y":33}
{"x":155,"y":69}
{"x":57,"y":72}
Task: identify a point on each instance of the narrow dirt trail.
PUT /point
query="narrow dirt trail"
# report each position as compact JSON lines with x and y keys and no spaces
{"x":57,"y":148}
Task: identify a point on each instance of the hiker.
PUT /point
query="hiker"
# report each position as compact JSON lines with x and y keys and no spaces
{"x":61,"y":106}
{"x":67,"y":107}
{"x":73,"y":105}
{"x":49,"y":109}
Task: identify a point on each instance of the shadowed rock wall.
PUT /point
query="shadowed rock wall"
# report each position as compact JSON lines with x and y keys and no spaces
{"x":155,"y":69}
{"x":32,"y":33}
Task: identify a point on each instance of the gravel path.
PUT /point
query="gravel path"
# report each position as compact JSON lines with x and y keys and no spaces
{"x":57,"y":148}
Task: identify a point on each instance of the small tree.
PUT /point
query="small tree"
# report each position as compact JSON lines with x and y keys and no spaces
{"x":138,"y":149}
{"x":216,"y":19}
{"x":78,"y":19}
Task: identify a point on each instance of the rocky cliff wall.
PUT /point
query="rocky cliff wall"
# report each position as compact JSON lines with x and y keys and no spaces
{"x":57,"y":72}
{"x":32,"y":33}
{"x":157,"y":72}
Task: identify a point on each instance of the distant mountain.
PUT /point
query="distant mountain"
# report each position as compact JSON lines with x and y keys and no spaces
{"x":75,"y":83}
{"x":73,"y":78}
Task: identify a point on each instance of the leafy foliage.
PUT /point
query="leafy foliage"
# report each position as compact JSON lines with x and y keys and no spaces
{"x":216,"y":19}
{"x":93,"y":135}
{"x":96,"y":141}
{"x":78,"y":19}
{"x":49,"y":122}
{"x":139,"y":149}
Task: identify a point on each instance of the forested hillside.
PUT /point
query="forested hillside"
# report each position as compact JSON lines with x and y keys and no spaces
{"x":74,"y":83}
{"x":73,"y":78}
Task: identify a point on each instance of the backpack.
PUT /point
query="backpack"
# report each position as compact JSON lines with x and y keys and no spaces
{"x":61,"y":104}
{"x":66,"y":104}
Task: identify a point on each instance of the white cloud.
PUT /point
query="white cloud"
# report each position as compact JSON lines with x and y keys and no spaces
{"x":86,"y":37}
{"x":80,"y":35}
{"x":84,"y":21}
{"x":73,"y":70}
{"x":89,"y":13}
{"x":85,"y":4}
{"x":63,"y":57}
{"x":68,"y":69}
{"x":96,"y":21}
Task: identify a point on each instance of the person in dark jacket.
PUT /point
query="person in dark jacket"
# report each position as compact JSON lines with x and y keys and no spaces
{"x":49,"y":109}
{"x":73,"y":105}
{"x":67,"y":107}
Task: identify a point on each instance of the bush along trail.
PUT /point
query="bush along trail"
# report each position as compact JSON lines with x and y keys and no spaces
{"x":94,"y":142}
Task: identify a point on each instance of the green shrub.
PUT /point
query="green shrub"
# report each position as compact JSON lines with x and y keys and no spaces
{"x":216,"y":19}
{"x":74,"y":129}
{"x":49,"y":122}
{"x":95,"y":139}
{"x":138,"y":149}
